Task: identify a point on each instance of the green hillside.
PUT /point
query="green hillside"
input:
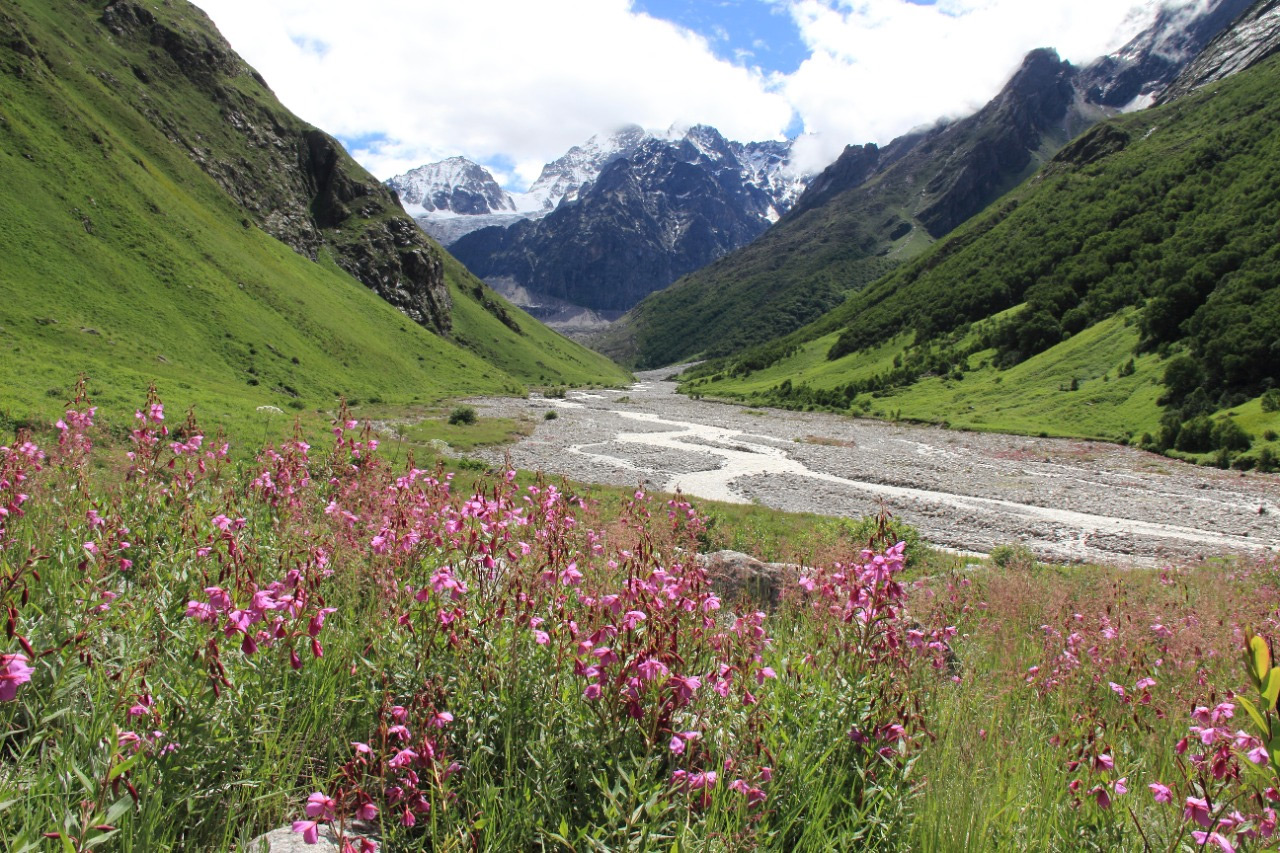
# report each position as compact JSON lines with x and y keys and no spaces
{"x":1130,"y":287}
{"x":124,"y":259}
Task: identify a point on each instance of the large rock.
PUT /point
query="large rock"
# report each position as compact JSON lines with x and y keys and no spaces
{"x":742,"y":579}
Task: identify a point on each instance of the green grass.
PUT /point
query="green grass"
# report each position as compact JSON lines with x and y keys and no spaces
{"x":124,"y":261}
{"x":1029,"y":398}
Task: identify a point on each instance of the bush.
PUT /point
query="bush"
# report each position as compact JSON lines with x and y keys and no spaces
{"x":1267,"y":460}
{"x":1196,"y":435}
{"x":1229,"y":435}
{"x":463,"y":416}
{"x":1271,"y":400}
{"x":550,"y":416}
{"x":1270,"y":435}
{"x":1014,"y":557}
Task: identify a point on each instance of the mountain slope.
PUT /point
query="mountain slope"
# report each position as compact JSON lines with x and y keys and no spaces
{"x":1154,"y":231}
{"x":876,"y":207}
{"x":150,"y":178}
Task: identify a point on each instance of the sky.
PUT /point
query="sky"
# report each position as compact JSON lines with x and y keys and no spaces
{"x":513,"y":84}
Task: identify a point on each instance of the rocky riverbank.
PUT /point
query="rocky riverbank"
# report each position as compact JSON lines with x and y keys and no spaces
{"x":1064,"y":499}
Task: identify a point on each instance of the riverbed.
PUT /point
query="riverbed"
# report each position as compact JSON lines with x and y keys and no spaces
{"x":1064,"y":499}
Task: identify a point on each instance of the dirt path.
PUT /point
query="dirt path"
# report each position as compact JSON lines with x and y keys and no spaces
{"x":1067,"y":500}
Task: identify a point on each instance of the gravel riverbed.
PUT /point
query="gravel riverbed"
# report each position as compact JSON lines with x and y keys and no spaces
{"x":1064,"y":499}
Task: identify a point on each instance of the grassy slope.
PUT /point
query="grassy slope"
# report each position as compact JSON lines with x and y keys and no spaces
{"x":982,"y":256}
{"x":124,"y":261}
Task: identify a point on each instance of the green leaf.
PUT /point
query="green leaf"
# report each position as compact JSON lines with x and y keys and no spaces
{"x":1259,"y":658}
{"x":118,"y":809}
{"x":1271,"y":689}
{"x":124,"y":766}
{"x":1253,"y":713}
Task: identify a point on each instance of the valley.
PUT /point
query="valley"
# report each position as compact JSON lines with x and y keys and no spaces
{"x":1067,"y":500}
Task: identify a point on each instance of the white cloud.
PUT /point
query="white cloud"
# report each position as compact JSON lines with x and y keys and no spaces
{"x":520,"y":82}
{"x":486,"y":78}
{"x":881,"y":67}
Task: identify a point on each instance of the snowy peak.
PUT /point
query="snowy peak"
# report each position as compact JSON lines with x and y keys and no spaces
{"x":455,"y":186}
{"x":580,"y":165}
{"x":456,"y":196}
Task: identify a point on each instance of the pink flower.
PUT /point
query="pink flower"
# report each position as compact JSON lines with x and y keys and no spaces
{"x":1203,"y":839}
{"x":1161,"y":792}
{"x":651,"y":668}
{"x":321,"y":807}
{"x":403,"y":758}
{"x":1104,"y":762}
{"x":310,"y":830}
{"x":1258,"y":755}
{"x":676,"y":745}
{"x":13,"y":672}
{"x":570,"y":576}
{"x":685,"y":687}
{"x":1144,"y":683}
{"x":592,"y":691}
{"x":1197,"y":809}
{"x":1117,"y":689}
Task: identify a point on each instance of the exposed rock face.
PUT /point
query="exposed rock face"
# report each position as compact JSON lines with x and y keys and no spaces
{"x":1010,"y":129}
{"x":663,"y":210}
{"x":742,"y":579}
{"x":1134,"y":75}
{"x":296,"y":182}
{"x":1255,"y":36}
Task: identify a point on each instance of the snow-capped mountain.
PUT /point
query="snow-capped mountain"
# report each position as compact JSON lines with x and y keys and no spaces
{"x":454,"y":197}
{"x":455,"y":186}
{"x":635,"y":212}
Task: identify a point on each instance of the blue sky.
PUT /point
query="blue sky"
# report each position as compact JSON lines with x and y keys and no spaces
{"x":512,"y":84}
{"x":745,"y":32}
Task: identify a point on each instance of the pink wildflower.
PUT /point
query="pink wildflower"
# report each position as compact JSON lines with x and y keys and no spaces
{"x":13,"y":672}
{"x":1197,"y":809}
{"x":1161,"y":792}
{"x":1203,"y":839}
{"x":321,"y":807}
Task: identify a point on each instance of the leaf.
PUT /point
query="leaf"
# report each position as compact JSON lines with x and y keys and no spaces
{"x":124,"y":766}
{"x":1253,"y":713}
{"x":1271,"y":689}
{"x":118,"y":809}
{"x":1259,"y":658}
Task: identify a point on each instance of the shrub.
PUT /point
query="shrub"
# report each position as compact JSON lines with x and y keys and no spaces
{"x":1229,"y":435}
{"x":1271,"y":400}
{"x":1014,"y":557}
{"x":463,"y":416}
{"x":1196,"y":435}
{"x":550,"y":416}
